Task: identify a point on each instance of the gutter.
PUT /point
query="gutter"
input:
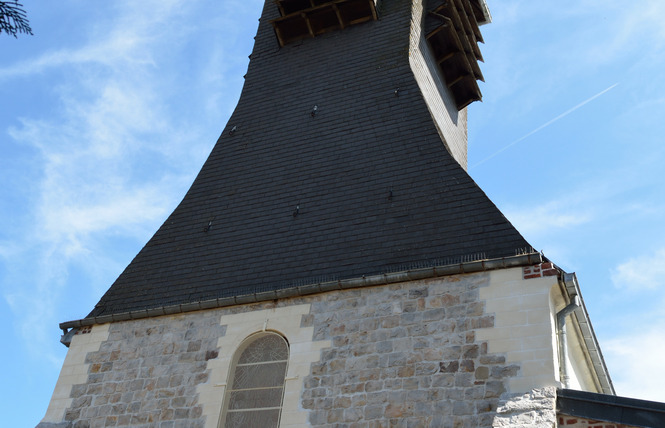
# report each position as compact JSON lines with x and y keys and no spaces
{"x":308,"y":289}
{"x":581,"y":316}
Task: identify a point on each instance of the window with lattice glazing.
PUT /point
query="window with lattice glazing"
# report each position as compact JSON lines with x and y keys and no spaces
{"x":255,"y":389}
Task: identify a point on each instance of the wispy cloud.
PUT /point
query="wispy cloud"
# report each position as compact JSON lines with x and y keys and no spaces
{"x":95,"y":156}
{"x":114,"y":43}
{"x":629,"y":26}
{"x":641,"y":273}
{"x":544,"y":226}
{"x":592,"y":36}
{"x":548,"y":218}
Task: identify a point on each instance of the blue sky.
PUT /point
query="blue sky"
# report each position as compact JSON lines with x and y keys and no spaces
{"x":110,"y":109}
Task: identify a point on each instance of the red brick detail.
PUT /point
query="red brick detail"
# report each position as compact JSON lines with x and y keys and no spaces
{"x":529,"y":272}
{"x":84,"y":330}
{"x":567,"y":421}
{"x":539,"y":271}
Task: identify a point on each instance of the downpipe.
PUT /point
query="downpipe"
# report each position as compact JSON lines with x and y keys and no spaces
{"x":563,"y":340}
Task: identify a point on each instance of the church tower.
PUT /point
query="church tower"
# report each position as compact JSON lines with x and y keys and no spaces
{"x":333,"y":263}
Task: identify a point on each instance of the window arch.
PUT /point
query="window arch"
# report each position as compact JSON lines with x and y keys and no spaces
{"x":255,"y":389}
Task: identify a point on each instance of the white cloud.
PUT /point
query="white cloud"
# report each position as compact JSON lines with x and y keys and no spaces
{"x":89,"y":181}
{"x":591,"y":35}
{"x":547,"y":218}
{"x":635,"y":360}
{"x":641,"y":273}
{"x":606,"y":30}
{"x":121,"y":44}
{"x":117,"y":123}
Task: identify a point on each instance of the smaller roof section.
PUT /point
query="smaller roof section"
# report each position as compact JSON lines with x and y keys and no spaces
{"x":303,"y":19}
{"x":610,"y":408}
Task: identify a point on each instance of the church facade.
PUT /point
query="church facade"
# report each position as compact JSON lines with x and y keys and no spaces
{"x":333,"y":263}
{"x":446,"y":350}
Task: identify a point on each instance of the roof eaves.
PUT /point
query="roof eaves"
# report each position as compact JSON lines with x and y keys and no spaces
{"x":314,"y":288}
{"x":610,"y":408}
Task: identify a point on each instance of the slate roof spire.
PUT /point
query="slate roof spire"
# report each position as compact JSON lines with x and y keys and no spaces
{"x":331,"y":167}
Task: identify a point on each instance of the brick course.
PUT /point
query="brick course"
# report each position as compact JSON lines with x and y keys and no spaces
{"x":576,"y":422}
{"x":539,"y":271}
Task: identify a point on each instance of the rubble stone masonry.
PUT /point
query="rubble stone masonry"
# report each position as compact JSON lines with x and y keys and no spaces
{"x":406,"y":355}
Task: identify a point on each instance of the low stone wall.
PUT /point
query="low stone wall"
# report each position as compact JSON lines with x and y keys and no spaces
{"x":536,"y":409}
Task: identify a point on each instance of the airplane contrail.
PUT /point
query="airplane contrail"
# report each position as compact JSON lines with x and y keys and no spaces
{"x":545,"y":125}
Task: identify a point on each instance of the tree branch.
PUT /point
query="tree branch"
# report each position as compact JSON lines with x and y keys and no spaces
{"x":13,"y":19}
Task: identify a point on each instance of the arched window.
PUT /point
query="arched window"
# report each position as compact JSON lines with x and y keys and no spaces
{"x":256,"y":382}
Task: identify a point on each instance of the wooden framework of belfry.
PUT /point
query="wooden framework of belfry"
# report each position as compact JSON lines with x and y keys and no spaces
{"x":451,"y":28}
{"x":453,"y":32}
{"x":309,"y":18}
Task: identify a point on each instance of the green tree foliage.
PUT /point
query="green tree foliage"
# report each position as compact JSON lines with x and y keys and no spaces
{"x":13,"y":19}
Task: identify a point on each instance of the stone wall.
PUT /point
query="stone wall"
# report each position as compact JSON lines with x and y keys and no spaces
{"x":75,"y":369}
{"x":406,"y":354}
{"x":146,"y":373}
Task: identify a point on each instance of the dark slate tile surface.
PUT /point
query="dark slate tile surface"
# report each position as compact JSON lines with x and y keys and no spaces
{"x":339,"y":167}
